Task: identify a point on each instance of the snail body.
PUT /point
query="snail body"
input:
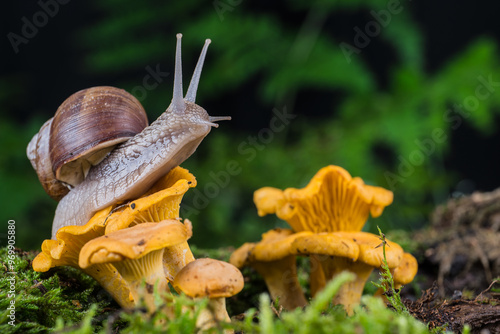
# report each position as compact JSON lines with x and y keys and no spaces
{"x":133,"y":166}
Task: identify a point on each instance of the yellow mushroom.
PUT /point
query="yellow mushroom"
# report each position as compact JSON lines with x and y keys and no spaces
{"x":137,"y":253}
{"x":404,"y":273}
{"x":214,"y":279}
{"x":166,"y":195}
{"x":275,"y":261}
{"x":332,"y":201}
{"x":66,"y":249}
{"x":161,"y":202}
{"x":340,"y":251}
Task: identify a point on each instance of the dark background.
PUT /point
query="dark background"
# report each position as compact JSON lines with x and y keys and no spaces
{"x":363,"y":115}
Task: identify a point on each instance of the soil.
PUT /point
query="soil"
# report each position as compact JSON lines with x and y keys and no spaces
{"x":459,"y":256}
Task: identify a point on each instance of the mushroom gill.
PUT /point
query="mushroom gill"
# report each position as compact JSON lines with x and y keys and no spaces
{"x":161,"y":202}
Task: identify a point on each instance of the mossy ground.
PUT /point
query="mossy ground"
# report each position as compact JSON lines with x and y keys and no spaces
{"x":66,"y":300}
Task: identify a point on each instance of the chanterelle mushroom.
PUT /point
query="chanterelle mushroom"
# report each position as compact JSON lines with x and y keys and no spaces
{"x":161,"y":202}
{"x":343,"y":255}
{"x":275,"y":261}
{"x":404,"y":273}
{"x":66,"y":249}
{"x":137,"y":254}
{"x":332,"y":201}
{"x":214,"y":279}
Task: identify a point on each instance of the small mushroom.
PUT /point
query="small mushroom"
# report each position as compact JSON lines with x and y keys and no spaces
{"x":275,"y":261}
{"x":66,"y":249}
{"x":341,"y":250}
{"x":332,"y":201}
{"x":137,"y":253}
{"x":214,"y":279}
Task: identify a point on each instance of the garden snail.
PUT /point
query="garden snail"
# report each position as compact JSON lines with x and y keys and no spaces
{"x":133,"y":166}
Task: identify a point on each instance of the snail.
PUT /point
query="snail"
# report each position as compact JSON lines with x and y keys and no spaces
{"x":133,"y":166}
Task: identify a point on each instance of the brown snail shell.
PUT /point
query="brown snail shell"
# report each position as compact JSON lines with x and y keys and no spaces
{"x":85,"y":128}
{"x":88,"y":125}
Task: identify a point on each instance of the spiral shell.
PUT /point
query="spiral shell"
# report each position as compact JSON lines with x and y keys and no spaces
{"x":85,"y":128}
{"x":88,"y":125}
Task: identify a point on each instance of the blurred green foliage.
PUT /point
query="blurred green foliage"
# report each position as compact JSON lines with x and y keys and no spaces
{"x":258,"y":63}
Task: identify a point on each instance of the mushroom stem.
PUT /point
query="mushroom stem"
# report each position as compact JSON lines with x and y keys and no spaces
{"x":317,"y":280}
{"x":112,"y":282}
{"x":350,"y":293}
{"x":214,"y":313}
{"x":282,"y":281}
{"x":175,"y":258}
{"x":146,"y":270}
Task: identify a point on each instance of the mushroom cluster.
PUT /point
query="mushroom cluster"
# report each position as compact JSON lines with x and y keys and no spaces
{"x":137,"y":248}
{"x":326,"y":218}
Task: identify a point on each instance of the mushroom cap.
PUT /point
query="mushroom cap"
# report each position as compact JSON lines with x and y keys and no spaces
{"x":332,"y":201}
{"x":240,"y":257}
{"x":64,"y":251}
{"x":134,"y":242}
{"x":275,"y":245}
{"x":268,"y":200}
{"x":407,"y":269}
{"x":209,"y":278}
{"x":326,"y":244}
{"x":371,"y":251}
{"x":160,"y":202}
{"x":380,"y":199}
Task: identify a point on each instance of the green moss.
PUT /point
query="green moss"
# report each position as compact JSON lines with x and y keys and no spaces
{"x":42,"y":298}
{"x":318,"y":317}
{"x":64,"y":300}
